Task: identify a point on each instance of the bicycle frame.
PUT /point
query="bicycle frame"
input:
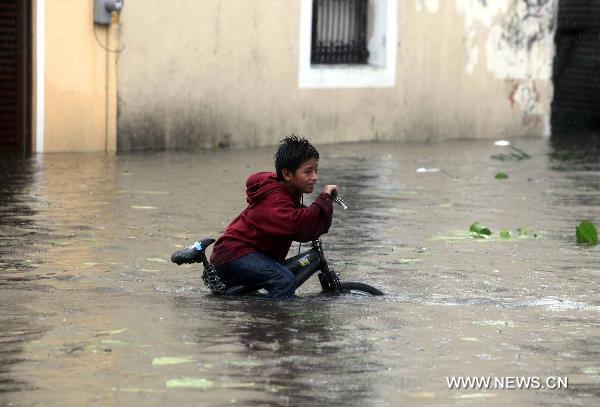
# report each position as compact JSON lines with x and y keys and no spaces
{"x":303,"y":265}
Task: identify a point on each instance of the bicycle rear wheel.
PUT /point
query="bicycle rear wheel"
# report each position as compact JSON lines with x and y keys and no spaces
{"x":359,"y":288}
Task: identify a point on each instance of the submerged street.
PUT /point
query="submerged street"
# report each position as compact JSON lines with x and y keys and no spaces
{"x":92,"y":312}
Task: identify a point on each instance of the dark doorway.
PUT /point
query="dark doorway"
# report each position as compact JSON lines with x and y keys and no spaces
{"x":15,"y":76}
{"x":576,"y":73}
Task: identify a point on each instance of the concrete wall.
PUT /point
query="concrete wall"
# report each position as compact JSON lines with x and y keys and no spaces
{"x":80,"y":85}
{"x":225,"y":72}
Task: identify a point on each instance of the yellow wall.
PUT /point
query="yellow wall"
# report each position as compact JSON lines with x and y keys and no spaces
{"x":76,"y":75}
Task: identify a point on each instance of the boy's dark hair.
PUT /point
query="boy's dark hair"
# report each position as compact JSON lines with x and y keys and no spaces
{"x":292,"y":152}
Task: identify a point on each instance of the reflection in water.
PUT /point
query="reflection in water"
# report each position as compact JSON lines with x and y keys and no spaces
{"x":18,"y":277}
{"x":302,"y":350}
{"x":582,"y":164}
{"x":90,"y":301}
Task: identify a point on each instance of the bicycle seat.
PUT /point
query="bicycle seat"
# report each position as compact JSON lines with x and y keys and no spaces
{"x":193,"y":253}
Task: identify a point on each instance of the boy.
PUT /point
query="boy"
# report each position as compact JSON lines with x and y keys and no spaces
{"x":255,"y":243}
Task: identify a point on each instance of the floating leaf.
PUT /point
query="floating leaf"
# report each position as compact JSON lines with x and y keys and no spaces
{"x":274,"y":388}
{"x":72,"y":347}
{"x":586,"y":233}
{"x":594,"y":371}
{"x":505,"y":234}
{"x":237,"y":385}
{"x":156,"y":260}
{"x":522,"y":232}
{"x":488,"y":322}
{"x":113,"y":332}
{"x":136,"y":390}
{"x":520,"y":152}
{"x":516,"y":155}
{"x":408,"y":261}
{"x":479,"y":230}
{"x":244,"y":363}
{"x":190,"y":383}
{"x":501,"y":175}
{"x":172,"y":360}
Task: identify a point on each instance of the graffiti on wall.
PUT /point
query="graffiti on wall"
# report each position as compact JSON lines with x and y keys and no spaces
{"x":519,"y":45}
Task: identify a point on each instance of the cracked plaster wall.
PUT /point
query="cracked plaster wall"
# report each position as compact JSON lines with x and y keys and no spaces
{"x":514,"y":40}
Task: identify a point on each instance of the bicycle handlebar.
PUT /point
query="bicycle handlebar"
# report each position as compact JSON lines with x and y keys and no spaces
{"x":337,"y":197}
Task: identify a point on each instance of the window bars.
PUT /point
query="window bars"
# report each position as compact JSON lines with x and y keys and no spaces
{"x":339,"y":32}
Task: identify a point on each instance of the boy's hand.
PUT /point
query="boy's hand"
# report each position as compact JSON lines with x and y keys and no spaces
{"x":330,"y":189}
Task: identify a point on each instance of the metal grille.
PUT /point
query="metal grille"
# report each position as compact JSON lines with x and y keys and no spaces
{"x":339,"y":32}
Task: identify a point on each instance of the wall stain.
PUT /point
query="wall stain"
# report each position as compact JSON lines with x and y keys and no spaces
{"x":190,"y":128}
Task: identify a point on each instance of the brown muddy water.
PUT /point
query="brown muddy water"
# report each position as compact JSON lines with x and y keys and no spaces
{"x":93,"y":312}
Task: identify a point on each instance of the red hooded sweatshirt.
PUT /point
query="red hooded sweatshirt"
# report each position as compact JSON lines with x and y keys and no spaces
{"x":273,"y":219}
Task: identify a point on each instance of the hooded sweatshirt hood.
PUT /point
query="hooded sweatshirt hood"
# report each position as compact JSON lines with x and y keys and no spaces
{"x":273,"y":218}
{"x":262,"y":184}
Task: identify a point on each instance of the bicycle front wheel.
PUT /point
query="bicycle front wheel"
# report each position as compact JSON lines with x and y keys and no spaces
{"x":359,"y":288}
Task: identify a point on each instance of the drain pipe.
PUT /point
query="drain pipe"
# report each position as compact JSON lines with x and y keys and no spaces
{"x":106,"y":90}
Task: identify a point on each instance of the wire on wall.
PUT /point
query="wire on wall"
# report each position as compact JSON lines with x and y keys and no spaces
{"x":105,"y":47}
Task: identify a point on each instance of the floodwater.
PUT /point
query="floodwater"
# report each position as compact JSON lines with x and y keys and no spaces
{"x":93,"y":312}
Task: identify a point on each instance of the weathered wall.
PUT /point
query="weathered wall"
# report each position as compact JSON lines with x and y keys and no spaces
{"x":77,"y":73}
{"x":225,"y":72}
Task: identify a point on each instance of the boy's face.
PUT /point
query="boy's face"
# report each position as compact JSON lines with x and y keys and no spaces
{"x":305,"y":177}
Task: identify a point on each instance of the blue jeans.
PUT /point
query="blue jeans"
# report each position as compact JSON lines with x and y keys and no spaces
{"x":261,"y":271}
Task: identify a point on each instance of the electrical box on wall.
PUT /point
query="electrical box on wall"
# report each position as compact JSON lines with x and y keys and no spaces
{"x":103,"y":10}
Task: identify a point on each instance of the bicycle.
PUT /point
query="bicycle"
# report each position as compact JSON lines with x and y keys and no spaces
{"x":303,"y":265}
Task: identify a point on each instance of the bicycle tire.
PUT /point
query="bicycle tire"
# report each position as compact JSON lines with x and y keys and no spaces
{"x":349,"y":286}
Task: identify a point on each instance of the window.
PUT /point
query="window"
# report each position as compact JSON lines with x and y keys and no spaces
{"x":339,"y":32}
{"x":347,"y":43}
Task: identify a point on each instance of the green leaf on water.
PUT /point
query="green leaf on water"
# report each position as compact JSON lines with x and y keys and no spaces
{"x":408,"y":261}
{"x":244,"y":363}
{"x":522,"y":231}
{"x":501,"y":175}
{"x":274,"y":388}
{"x":515,"y":155}
{"x":113,"y":332}
{"x":586,"y":233}
{"x":172,"y":360}
{"x":479,"y":230}
{"x":189,"y":383}
{"x":593,"y":370}
{"x":505,"y":234}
